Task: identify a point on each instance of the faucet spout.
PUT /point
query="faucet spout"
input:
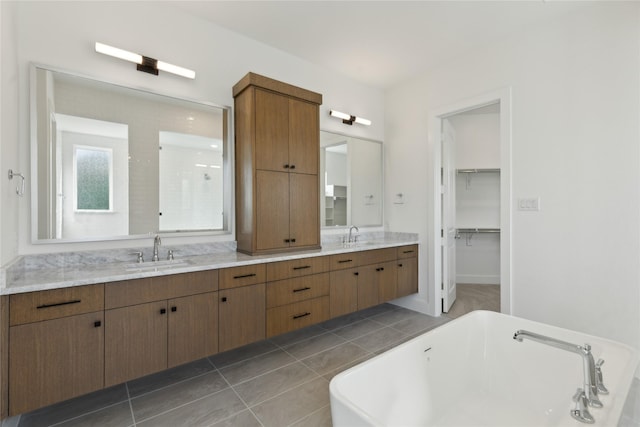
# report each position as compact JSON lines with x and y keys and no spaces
{"x":350,"y":231}
{"x":156,"y":244}
{"x":589,"y":366}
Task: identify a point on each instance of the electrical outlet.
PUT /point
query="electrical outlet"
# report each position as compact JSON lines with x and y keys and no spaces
{"x":531,"y":204}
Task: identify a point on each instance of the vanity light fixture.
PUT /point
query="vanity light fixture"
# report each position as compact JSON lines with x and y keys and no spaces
{"x":146,"y":64}
{"x":348,"y":119}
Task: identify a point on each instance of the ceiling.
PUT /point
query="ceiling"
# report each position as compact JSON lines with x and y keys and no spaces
{"x":378,"y":43}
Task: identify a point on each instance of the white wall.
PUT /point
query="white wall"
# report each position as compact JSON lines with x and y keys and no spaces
{"x":575,"y":87}
{"x":62,"y":35}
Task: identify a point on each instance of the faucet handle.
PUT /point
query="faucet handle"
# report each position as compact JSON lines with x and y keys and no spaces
{"x":581,"y":413}
{"x":170,"y":255}
{"x":599,"y":384}
{"x":140,"y":256}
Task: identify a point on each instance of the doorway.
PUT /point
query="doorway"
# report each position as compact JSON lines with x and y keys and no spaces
{"x":472,"y":199}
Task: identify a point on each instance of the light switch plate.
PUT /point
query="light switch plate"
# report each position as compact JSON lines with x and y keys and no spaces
{"x":531,"y":204}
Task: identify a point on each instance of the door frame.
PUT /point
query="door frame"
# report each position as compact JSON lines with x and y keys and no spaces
{"x":503,"y":96}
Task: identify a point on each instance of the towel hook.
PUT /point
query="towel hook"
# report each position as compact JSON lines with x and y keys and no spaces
{"x":20,"y":187}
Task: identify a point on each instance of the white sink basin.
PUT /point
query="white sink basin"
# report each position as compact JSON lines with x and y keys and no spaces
{"x":157,"y":265}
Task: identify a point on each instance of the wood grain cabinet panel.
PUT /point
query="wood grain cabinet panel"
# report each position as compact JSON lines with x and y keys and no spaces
{"x":271,"y":127}
{"x":193,"y":328}
{"x":55,"y":360}
{"x":304,"y":214}
{"x":272,"y":210}
{"x":387,"y":281}
{"x":241,"y":316}
{"x":235,"y":277}
{"x":290,"y":317}
{"x":297,"y":268}
{"x":304,"y":131}
{"x":407,"y":276}
{"x":296,"y":289}
{"x":344,"y":292}
{"x":135,"y":341}
{"x":409,"y":251}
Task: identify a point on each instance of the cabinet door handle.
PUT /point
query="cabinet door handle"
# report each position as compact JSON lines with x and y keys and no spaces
{"x":287,"y":240}
{"x":356,"y":273}
{"x":223,"y":299}
{"x":292,"y":167}
{"x":97,"y":324}
{"x":297,"y":316}
{"x":174,"y":309}
{"x":302,"y":267}
{"x":293,"y":240}
{"x":286,"y":166}
{"x":380,"y":269}
{"x":163,"y":310}
{"x":75,"y":301}
{"x":242,"y":276}
{"x":306,"y":288}
{"x":342,"y":261}
{"x":399,"y":265}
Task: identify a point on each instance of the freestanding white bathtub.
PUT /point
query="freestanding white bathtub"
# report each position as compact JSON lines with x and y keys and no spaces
{"x":471,"y":372}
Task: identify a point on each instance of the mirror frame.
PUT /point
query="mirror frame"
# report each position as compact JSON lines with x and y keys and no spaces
{"x":228,"y":163}
{"x":322,"y":190}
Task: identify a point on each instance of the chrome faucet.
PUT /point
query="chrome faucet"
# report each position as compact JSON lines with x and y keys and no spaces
{"x":156,"y":243}
{"x":588,"y":395}
{"x":355,"y":238}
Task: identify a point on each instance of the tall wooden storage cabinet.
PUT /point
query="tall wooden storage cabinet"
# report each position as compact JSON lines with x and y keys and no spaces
{"x":277,"y":143}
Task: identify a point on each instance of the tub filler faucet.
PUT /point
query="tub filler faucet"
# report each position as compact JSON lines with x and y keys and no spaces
{"x":588,"y":395}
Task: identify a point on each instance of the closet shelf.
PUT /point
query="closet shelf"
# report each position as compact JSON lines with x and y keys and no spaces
{"x":478,"y":170}
{"x":478,"y":230}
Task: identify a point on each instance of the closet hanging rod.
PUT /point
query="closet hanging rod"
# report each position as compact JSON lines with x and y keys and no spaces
{"x":478,"y":230}
{"x":477,"y":170}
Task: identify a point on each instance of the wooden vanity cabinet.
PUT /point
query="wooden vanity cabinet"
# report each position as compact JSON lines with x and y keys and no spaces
{"x":155,"y":323}
{"x":277,"y":162}
{"x":407,"y":270}
{"x":241,"y":306}
{"x":56,"y":346}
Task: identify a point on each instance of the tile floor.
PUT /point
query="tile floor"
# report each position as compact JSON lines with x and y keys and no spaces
{"x":282,"y":381}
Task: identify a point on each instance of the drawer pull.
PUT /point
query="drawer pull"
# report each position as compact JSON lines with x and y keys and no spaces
{"x":223,"y":299}
{"x":163,"y":310}
{"x":306,"y":288}
{"x":174,"y":309}
{"x":302,"y":267}
{"x":297,"y":316}
{"x":342,"y":261}
{"x":287,"y":240}
{"x":75,"y":301}
{"x":356,"y":273}
{"x":407,"y":252}
{"x":97,"y":324}
{"x":242,"y":276}
{"x":399,"y":265}
{"x":380,"y":269}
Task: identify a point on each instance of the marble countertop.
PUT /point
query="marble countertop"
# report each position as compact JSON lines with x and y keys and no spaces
{"x":29,"y":277}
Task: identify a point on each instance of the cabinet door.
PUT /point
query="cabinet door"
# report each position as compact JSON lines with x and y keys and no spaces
{"x":55,"y":360}
{"x":135,"y":341}
{"x":304,"y":214}
{"x":241,"y":315}
{"x":272,"y":131}
{"x":368,"y":286}
{"x":304,"y":137}
{"x":343,"y":296}
{"x":193,"y":328}
{"x":272,"y":210}
{"x":407,"y":276}
{"x":387,"y":281}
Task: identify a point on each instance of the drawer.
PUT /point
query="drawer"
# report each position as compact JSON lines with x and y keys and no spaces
{"x":409,"y":251}
{"x":140,"y":291}
{"x":242,"y":276}
{"x":344,"y":261}
{"x":45,"y":305}
{"x":298,"y":315}
{"x":297,"y":289}
{"x":377,"y":256}
{"x":297,"y":268}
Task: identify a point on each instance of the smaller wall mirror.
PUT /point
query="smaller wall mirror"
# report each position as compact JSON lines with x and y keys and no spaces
{"x":351,"y":181}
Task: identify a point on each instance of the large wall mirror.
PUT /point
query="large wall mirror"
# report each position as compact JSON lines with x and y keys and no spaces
{"x":351,"y":181}
{"x":112,"y":162}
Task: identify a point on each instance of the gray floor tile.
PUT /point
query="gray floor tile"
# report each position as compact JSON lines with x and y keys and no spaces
{"x":395,"y":316}
{"x":202,"y":412}
{"x":378,"y":309}
{"x":294,"y":404}
{"x":243,"y":353}
{"x":242,"y":419}
{"x":314,"y":345}
{"x":341,"y":321}
{"x":379,"y":339}
{"x":358,"y":329}
{"x":268,"y":385}
{"x":178,"y":394}
{"x":118,"y":415}
{"x":259,"y":365}
{"x":319,"y":418}
{"x":329,"y":375}
{"x":168,"y":377}
{"x":10,"y":421}
{"x":334,"y":358}
{"x":419,"y":323}
{"x":74,"y":407}
{"x":297,"y":335}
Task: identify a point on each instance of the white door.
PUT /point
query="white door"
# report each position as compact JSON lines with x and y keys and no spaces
{"x":448,"y":216}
